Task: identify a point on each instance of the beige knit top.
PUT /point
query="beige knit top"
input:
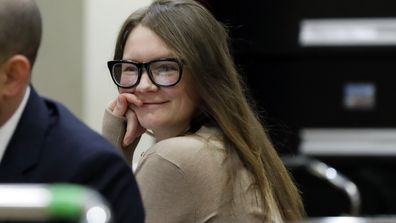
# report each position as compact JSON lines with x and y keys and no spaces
{"x":184,"y":179}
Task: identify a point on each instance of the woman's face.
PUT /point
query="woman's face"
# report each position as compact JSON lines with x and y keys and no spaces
{"x":167,"y":111}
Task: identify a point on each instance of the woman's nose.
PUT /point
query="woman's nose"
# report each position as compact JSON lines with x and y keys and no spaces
{"x":145,"y":83}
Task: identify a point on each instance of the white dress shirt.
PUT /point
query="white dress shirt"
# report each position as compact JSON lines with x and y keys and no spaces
{"x":7,"y":130}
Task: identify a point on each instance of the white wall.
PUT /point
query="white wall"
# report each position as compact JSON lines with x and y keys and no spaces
{"x":78,"y":39}
{"x":58,"y":69}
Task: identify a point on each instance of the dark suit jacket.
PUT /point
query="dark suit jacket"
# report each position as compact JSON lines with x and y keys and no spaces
{"x":51,"y":145}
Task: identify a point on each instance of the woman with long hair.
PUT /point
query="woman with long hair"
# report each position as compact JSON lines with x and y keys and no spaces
{"x":212,"y":160}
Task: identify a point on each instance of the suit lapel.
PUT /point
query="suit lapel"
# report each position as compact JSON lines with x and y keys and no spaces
{"x":23,"y":151}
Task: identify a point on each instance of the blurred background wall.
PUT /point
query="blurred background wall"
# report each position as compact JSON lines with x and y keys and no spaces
{"x":330,"y":99}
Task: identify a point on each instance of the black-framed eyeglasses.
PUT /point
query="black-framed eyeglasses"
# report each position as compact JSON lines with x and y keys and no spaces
{"x":164,"y":72}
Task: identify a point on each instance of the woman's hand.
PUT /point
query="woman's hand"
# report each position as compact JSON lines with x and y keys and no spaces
{"x":123,"y":106}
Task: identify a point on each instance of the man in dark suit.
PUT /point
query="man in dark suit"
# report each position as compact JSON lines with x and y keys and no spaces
{"x":40,"y":140}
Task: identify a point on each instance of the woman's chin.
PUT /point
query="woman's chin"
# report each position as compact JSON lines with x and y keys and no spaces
{"x":151,"y":124}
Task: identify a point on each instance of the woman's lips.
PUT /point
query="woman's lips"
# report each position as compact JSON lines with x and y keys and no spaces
{"x":153,"y":104}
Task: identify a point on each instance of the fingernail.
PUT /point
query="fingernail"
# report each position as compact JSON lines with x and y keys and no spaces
{"x":126,"y":142}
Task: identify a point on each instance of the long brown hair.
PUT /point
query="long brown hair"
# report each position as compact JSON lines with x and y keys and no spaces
{"x":192,"y":32}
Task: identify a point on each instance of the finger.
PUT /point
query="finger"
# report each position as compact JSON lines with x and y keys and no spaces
{"x":112,"y":104}
{"x":133,"y":99}
{"x":133,"y":129}
{"x":121,"y":106}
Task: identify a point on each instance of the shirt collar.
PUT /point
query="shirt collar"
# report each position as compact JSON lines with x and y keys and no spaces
{"x":8,"y":129}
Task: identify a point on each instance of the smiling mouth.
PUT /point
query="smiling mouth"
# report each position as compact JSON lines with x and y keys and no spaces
{"x":153,"y":103}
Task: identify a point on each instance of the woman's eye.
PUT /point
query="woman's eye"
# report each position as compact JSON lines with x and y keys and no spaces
{"x":130,"y":69}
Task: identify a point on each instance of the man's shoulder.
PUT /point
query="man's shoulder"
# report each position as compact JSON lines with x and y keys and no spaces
{"x":67,"y":130}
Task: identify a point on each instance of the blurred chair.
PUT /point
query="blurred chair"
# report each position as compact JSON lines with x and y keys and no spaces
{"x":44,"y":202}
{"x":325,"y":191}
